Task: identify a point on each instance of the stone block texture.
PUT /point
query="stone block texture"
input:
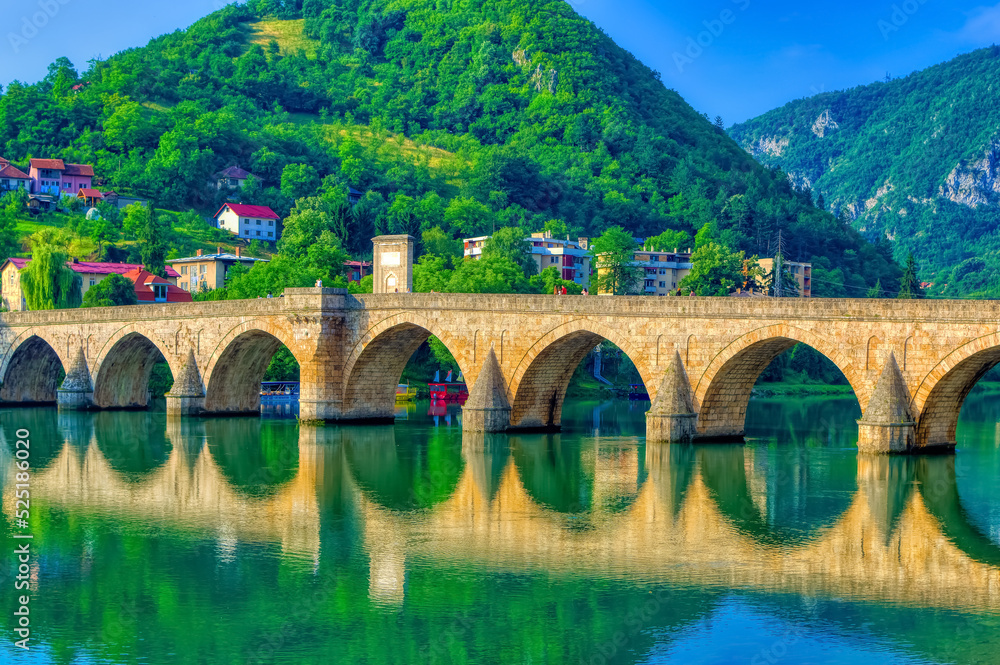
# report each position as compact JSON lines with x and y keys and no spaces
{"x":353,"y":349}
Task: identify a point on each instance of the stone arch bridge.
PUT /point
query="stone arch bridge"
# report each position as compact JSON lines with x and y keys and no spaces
{"x":911,"y":363}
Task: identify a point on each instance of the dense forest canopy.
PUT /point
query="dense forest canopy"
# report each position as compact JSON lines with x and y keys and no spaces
{"x":463,"y":117}
{"x":913,"y":159}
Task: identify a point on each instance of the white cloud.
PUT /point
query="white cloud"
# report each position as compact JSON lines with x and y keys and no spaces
{"x":982,"y":26}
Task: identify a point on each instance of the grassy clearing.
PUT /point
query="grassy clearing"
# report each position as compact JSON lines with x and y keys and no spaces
{"x":446,"y":168}
{"x":290,"y":36}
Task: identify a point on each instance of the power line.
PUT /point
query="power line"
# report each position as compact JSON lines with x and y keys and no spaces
{"x":891,"y":297}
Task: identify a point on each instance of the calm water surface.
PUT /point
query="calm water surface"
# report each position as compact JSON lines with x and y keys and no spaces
{"x":246,"y":540}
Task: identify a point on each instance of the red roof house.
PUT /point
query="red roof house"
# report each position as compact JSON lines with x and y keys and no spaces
{"x":155,"y":289}
{"x":93,"y":267}
{"x":90,"y":272}
{"x":12,"y":178}
{"x":232,"y":178}
{"x":249,"y":222}
{"x":53,"y":177}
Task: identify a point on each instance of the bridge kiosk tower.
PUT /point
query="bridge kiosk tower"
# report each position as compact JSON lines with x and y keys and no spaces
{"x":392,"y":265}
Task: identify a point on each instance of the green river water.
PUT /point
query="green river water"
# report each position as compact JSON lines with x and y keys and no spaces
{"x":257,"y":541}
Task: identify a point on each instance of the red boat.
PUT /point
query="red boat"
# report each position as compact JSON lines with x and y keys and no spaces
{"x":448,"y":393}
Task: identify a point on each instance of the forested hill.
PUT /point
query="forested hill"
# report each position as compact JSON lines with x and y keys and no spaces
{"x":464,"y":116}
{"x":914,"y":159}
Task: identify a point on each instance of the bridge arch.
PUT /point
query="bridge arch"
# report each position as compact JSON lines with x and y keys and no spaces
{"x":238,"y":364}
{"x":31,"y":370}
{"x":373,"y":368}
{"x":723,"y":391}
{"x":124,"y":365}
{"x":938,"y":400}
{"x":538,"y":385}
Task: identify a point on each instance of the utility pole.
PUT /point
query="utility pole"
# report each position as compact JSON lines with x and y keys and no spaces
{"x":777,"y":266}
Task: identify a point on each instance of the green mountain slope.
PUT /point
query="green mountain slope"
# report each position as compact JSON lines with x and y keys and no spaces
{"x":914,"y":160}
{"x":464,"y":116}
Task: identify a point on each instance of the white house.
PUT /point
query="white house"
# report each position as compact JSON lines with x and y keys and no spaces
{"x":249,"y":222}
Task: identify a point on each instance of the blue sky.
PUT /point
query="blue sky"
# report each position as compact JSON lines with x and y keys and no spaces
{"x":734,"y":58}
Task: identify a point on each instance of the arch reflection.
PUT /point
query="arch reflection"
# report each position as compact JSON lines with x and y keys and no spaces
{"x":690,"y":514}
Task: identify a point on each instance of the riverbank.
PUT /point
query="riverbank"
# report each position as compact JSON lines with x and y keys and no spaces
{"x":800,"y":390}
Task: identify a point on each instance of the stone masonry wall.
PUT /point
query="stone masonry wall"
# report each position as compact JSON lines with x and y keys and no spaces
{"x":352,"y":348}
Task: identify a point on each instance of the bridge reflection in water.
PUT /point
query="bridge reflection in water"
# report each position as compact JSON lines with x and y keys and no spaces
{"x":254,"y":515}
{"x":894,"y":530}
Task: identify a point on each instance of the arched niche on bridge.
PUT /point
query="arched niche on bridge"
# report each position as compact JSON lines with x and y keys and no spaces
{"x":234,"y":378}
{"x":722,"y":395}
{"x":124,"y":372}
{"x":33,"y":373}
{"x":939,"y":401}
{"x":374,"y":368}
{"x":133,"y":443}
{"x":539,"y":384}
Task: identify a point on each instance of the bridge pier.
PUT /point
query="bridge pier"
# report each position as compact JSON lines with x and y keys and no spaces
{"x":187,"y":396}
{"x":887,"y":426}
{"x":77,"y":390}
{"x":672,"y":418}
{"x":487,"y":409}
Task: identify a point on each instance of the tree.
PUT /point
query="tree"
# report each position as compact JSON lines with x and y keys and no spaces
{"x":152,"y":235}
{"x":669,"y":241}
{"x":439,"y":243}
{"x":111,"y":291}
{"x":11,"y":206}
{"x":909,"y":284}
{"x":875,"y":291}
{"x":47,"y":282}
{"x":557,"y":228}
{"x":490,"y":274}
{"x":614,"y":256}
{"x":299,"y":181}
{"x":469,"y":217}
{"x":510,"y":243}
{"x":715,"y":271}
{"x":431,"y":273}
{"x":547,"y":281}
{"x":104,"y":232}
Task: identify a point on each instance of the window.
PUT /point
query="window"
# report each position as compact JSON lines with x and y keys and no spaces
{"x":246,"y":221}
{"x":258,"y":222}
{"x":270,"y":234}
{"x":93,"y":281}
{"x":270,"y":222}
{"x":258,"y":232}
{"x":184,"y":285}
{"x":663,"y":271}
{"x":160,"y":292}
{"x":553,"y":259}
{"x":203,"y":269}
{"x":663,"y":285}
{"x":184,"y":270}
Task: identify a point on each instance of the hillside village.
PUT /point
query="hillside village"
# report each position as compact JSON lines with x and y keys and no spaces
{"x":54,"y":186}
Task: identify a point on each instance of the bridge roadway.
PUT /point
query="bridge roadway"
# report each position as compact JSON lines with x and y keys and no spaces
{"x":665,"y":515}
{"x":911,"y":363}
